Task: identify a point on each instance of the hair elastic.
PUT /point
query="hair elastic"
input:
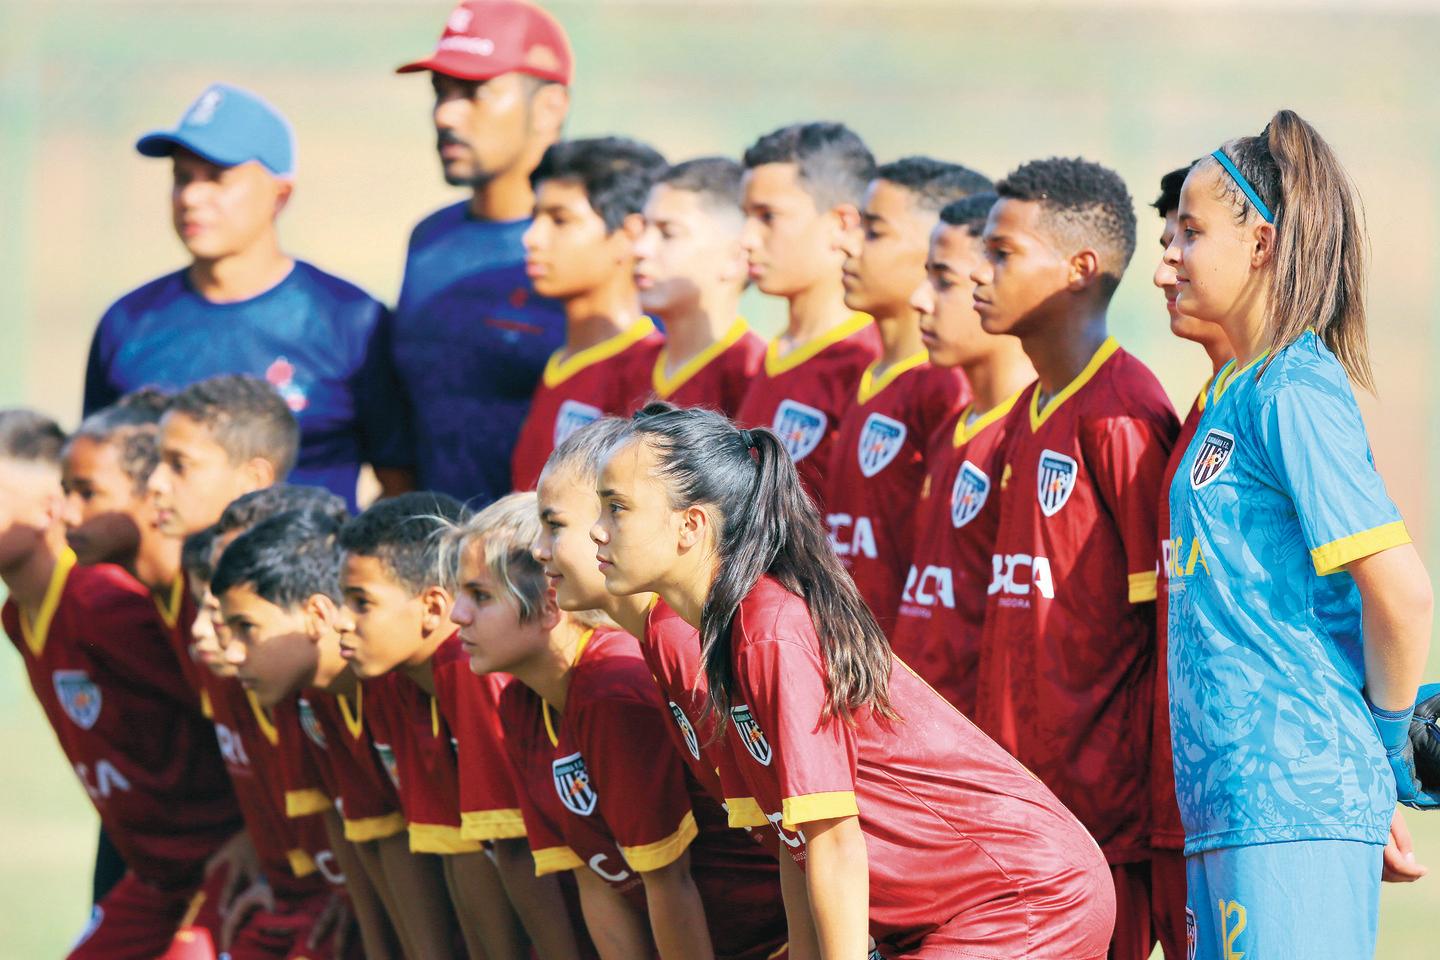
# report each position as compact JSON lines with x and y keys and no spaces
{"x":1244,"y":185}
{"x":747,"y":438}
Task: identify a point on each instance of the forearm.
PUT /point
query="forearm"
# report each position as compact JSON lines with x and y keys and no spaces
{"x":395,"y":480}
{"x":799,"y":924}
{"x":538,"y":901}
{"x":417,"y":882}
{"x":837,"y":879}
{"x":370,"y":915}
{"x":616,"y":929}
{"x":1398,"y":607}
{"x":677,"y":915}
{"x":487,"y":920}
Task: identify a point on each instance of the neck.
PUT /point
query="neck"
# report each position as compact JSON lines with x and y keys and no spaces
{"x":999,"y":375}
{"x":689,"y":332}
{"x":242,"y":275}
{"x":899,"y":337}
{"x":29,"y":577}
{"x":816,"y":310}
{"x":600,"y":314}
{"x":1245,"y":327}
{"x":1219,"y":352}
{"x":157,"y":561}
{"x":548,"y":672}
{"x":687,"y":591}
{"x":507,"y":196}
{"x":422,"y":670}
{"x":1059,"y":352}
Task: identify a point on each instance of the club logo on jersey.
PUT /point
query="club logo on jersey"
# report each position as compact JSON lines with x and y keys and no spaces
{"x":281,"y":376}
{"x":692,"y":742}
{"x":800,"y":428}
{"x":1055,"y":481}
{"x":572,"y":416}
{"x":967,"y":497}
{"x":387,"y":757}
{"x":750,"y":734}
{"x":880,"y":440}
{"x":1214,"y":453}
{"x":79,"y":697}
{"x":1191,"y":935}
{"x":572,"y":783}
{"x":310,"y":724}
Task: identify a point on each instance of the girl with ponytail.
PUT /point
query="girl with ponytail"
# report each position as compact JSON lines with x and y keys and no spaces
{"x":1300,"y":612}
{"x":904,"y":830}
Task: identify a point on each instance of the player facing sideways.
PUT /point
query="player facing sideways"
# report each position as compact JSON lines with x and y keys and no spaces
{"x":877,"y":464}
{"x":1299,"y":610}
{"x":500,"y":73}
{"x":942,"y":607}
{"x":690,"y":271}
{"x":802,"y":192}
{"x":604,"y":790}
{"x":99,"y":662}
{"x":910,"y":826}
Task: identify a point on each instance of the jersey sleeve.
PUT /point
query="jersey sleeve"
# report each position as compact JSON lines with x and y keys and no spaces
{"x":305,"y":793}
{"x":99,"y":391}
{"x":128,"y":634}
{"x":1127,"y":457}
{"x":381,"y":409}
{"x":547,"y":846}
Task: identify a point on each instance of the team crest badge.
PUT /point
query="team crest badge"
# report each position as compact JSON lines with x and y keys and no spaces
{"x":967,"y":497}
{"x":751,"y":734}
{"x":1055,"y":481}
{"x":692,"y":742}
{"x":79,"y":697}
{"x":880,"y":441}
{"x":1214,"y":453}
{"x":1191,"y":936}
{"x":310,"y":724}
{"x":800,"y":428}
{"x":572,"y":416}
{"x":387,"y":757}
{"x":572,"y":783}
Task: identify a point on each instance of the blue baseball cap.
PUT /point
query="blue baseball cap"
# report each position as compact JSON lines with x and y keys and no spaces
{"x":228,"y":126}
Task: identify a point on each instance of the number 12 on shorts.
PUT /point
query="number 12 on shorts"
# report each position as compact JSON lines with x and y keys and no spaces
{"x":1232,"y":924}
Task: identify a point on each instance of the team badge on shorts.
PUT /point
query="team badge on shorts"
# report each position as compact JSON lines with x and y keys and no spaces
{"x":880,"y":440}
{"x":79,"y":697}
{"x":692,"y":742}
{"x":1214,"y":453}
{"x":387,"y":757}
{"x":751,"y":734}
{"x":1055,"y":481}
{"x":310,"y":724}
{"x":572,"y":416}
{"x":800,"y":428}
{"x":967,"y":497}
{"x":572,"y":783}
{"x":1192,"y":937}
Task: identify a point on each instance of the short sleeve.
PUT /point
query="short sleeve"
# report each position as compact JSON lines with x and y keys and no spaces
{"x":99,"y":391}
{"x":489,"y":809}
{"x":382,"y":413}
{"x":305,"y":793}
{"x":129,"y":636}
{"x":549,"y":849}
{"x":1126,"y":457}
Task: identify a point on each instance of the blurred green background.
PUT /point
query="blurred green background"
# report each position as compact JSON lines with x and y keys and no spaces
{"x":1141,"y":86}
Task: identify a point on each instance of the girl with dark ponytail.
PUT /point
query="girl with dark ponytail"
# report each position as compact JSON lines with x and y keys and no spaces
{"x":1299,"y":617}
{"x":905,"y":826}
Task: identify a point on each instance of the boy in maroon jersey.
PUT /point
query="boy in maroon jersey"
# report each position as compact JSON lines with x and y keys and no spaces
{"x":99,"y":662}
{"x":580,"y":249}
{"x":691,"y":271}
{"x":802,"y":192}
{"x":942,"y":608}
{"x":878,"y":461}
{"x":1067,"y":659}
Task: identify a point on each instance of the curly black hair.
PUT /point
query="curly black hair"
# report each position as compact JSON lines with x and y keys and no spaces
{"x":970,"y":213}
{"x":615,"y":172}
{"x":835,"y":165}
{"x":1170,"y":184}
{"x":285,"y":559}
{"x":404,"y":533}
{"x":933,"y":183}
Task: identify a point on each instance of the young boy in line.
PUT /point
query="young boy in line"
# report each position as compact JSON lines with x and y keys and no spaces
{"x":690,"y":271}
{"x":589,"y":195}
{"x":942,"y":608}
{"x":803,"y":188}
{"x":878,"y":461}
{"x":1067,"y":666}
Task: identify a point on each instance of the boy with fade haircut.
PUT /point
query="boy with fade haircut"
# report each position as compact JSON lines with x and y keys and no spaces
{"x":690,"y":271}
{"x":1067,"y":666}
{"x":436,"y":727}
{"x":99,"y":662}
{"x":942,"y":609}
{"x":878,"y":461}
{"x":803,"y":188}
{"x":589,"y":195}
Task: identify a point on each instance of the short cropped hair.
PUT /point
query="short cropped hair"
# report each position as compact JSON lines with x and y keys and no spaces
{"x":252,"y":508}
{"x":969,"y":213}
{"x":285,"y":559}
{"x":615,"y":172}
{"x":834,"y":164}
{"x":403,"y":533}
{"x":30,"y":437}
{"x":1083,"y":205}
{"x":716,"y":180}
{"x":132,"y":425}
{"x":197,"y":555}
{"x":933,"y":183}
{"x":245,"y":416}
{"x":583,"y":451}
{"x":1170,"y":184}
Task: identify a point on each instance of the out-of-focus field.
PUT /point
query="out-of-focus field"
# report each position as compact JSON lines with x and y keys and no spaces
{"x":1143,"y":87}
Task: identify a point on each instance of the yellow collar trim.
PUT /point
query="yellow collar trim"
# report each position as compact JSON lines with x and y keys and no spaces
{"x":266,"y":727}
{"x":967,"y":429}
{"x":871,"y":385}
{"x":665,"y":386}
{"x":545,"y":709}
{"x":354,"y":720}
{"x":557,"y":371}
{"x":1038,"y":416}
{"x":170,"y":609}
{"x":1204,"y":392}
{"x":777,"y":363}
{"x":35,"y":634}
{"x":1229,"y":374}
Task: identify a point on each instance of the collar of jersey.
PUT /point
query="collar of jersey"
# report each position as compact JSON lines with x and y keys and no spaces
{"x":776,"y":364}
{"x":266,"y":727}
{"x":545,"y":707}
{"x":170,"y":607}
{"x":35,"y":634}
{"x":967,"y":431}
{"x":871,"y":385}
{"x":354,"y":720}
{"x":557,"y":371}
{"x":1229,"y":374}
{"x":1038,"y":416}
{"x":665,"y":386}
{"x":1200,"y":401}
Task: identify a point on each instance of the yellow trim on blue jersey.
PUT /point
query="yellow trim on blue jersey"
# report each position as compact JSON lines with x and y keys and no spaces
{"x":545,"y":707}
{"x":662,"y":853}
{"x":301,"y":863}
{"x":374,"y":828}
{"x":557,"y":371}
{"x":440,"y":838}
{"x":777,"y":363}
{"x":555,"y":859}
{"x":491,"y":824}
{"x":871,"y":386}
{"x":965,"y":432}
{"x":744,"y":812}
{"x":665,"y":386}
{"x":302,"y":803}
{"x":170,"y":609}
{"x":1038,"y":416}
{"x":266,"y":727}
{"x":354,"y":722}
{"x":35,"y":634}
{"x":1142,"y":587}
{"x":1204,"y":393}
{"x":1331,"y":557}
{"x":817,"y":806}
{"x":1229,"y":374}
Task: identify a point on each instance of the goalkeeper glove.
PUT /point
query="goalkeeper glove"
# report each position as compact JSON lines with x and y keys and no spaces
{"x":1394,"y":728}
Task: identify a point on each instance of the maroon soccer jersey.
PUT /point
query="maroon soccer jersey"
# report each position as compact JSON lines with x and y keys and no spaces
{"x":100,"y":664}
{"x":942,"y":605}
{"x":1067,"y":660}
{"x":802,"y":395}
{"x":876,"y":470}
{"x":956,"y":831}
{"x":717,"y":377}
{"x":612,"y":378}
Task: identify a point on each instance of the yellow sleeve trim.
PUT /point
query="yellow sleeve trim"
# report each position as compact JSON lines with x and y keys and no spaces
{"x":745,"y":812}
{"x":555,"y":859}
{"x":302,"y":803}
{"x":300,"y":863}
{"x":440,"y":838}
{"x":492,"y":825}
{"x":374,"y":828}
{"x":662,"y":853}
{"x":1142,"y":587}
{"x":1330,"y":557}
{"x":818,"y":806}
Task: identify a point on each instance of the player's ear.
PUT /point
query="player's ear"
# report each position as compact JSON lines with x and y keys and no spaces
{"x":633,"y":226}
{"x":694,"y":526}
{"x":548,"y":108}
{"x":1263,"y":245}
{"x":1084,"y":270}
{"x":735,"y":266}
{"x":320,"y":615}
{"x":435,"y":603}
{"x":549,"y":615}
{"x":283,"y":189}
{"x":259,"y":473}
{"x":846,"y":217}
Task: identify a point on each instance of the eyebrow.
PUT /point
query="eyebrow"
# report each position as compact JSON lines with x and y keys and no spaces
{"x":606,"y":492}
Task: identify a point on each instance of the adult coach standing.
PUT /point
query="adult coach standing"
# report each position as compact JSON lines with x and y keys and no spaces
{"x":243,"y":305}
{"x":471,"y":336}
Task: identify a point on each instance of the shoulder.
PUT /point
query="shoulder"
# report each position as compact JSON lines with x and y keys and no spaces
{"x":772,"y":613}
{"x":105,"y":596}
{"x":145,"y":298}
{"x":612,"y":668}
{"x":1128,"y":389}
{"x":322,"y":284}
{"x":1305,"y":366}
{"x":437,"y":224}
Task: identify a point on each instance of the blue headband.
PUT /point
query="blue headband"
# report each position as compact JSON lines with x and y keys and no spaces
{"x":1244,"y":185}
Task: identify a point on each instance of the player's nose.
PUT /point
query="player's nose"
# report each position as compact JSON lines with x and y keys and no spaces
{"x":923,"y":299}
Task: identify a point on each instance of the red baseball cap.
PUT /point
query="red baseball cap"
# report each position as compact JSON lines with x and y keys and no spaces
{"x":485,"y":38}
